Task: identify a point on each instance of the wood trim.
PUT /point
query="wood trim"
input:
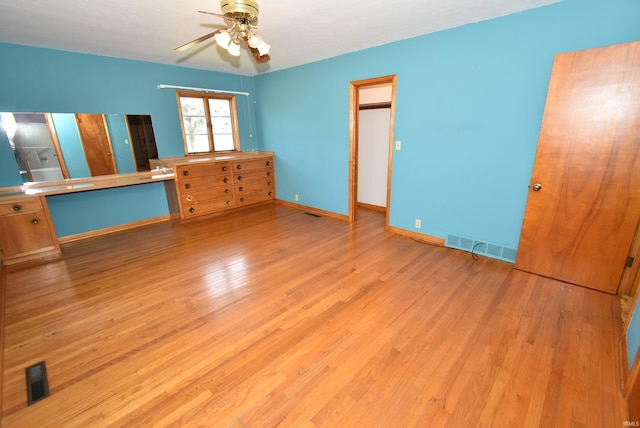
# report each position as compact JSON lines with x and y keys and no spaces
{"x":353,"y":150}
{"x":205,"y":96}
{"x":632,"y":378}
{"x":372,"y":207}
{"x":56,"y":144}
{"x":420,"y":237}
{"x":234,"y":124}
{"x":630,"y":276}
{"x":354,"y":104}
{"x":392,"y":126}
{"x":313,"y":210}
{"x":623,"y":361}
{"x":113,"y":229}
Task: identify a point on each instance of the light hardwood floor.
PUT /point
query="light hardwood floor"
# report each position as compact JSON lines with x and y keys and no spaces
{"x":270,"y":317}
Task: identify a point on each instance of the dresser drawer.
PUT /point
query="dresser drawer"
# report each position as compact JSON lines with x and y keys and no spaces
{"x":260,"y":185}
{"x":259,"y":174}
{"x":253,"y":197}
{"x":250,"y":165}
{"x":206,"y":207}
{"x":20,"y":206}
{"x":210,"y":170}
{"x":188,"y":183}
{"x":189,"y":196}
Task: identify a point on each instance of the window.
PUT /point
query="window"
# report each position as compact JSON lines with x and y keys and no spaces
{"x":209,"y":122}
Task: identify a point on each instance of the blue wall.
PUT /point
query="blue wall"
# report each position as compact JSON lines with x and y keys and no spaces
{"x":469,"y":105}
{"x":70,"y":145}
{"x":94,"y":209}
{"x":46,"y":80}
{"x":119,"y":136}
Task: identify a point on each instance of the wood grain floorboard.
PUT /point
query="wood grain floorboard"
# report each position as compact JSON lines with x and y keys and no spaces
{"x":269,"y":317}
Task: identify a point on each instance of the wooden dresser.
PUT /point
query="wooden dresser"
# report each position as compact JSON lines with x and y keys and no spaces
{"x":26,"y":230}
{"x":213,"y":184}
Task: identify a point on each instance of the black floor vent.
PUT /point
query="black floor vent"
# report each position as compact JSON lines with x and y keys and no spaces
{"x":312,"y":214}
{"x":37,"y":383}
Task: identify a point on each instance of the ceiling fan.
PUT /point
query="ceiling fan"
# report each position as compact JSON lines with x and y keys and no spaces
{"x":241,"y":17}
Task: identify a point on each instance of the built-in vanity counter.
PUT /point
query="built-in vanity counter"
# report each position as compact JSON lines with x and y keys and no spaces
{"x":26,"y":228}
{"x":195,"y":186}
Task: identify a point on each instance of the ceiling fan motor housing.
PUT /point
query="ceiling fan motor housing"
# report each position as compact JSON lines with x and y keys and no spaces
{"x":246,"y":7}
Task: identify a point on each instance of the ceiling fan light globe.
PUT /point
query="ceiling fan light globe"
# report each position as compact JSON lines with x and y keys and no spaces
{"x":263,"y":48}
{"x":234,"y":48}
{"x":254,"y":39}
{"x":223,"y":38}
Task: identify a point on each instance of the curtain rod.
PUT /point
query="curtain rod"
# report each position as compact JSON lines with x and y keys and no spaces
{"x":217,"y":91}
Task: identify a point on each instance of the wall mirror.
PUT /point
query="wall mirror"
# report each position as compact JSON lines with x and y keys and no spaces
{"x":57,"y":146}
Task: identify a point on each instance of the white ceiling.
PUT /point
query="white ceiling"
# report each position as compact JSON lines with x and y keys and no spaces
{"x":299,"y":31}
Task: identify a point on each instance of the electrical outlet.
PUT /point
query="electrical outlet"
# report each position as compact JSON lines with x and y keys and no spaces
{"x":296,"y":197}
{"x":398,"y":145}
{"x":418,"y":223}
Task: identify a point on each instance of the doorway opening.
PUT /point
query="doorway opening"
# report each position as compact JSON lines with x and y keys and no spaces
{"x":371,"y":128}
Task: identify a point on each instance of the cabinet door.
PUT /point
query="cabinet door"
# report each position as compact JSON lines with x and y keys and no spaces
{"x":25,"y":233}
{"x":584,"y":197}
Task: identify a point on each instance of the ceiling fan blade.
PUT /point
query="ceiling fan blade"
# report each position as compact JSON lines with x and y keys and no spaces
{"x":196,"y":41}
{"x":228,"y":18}
{"x":260,"y":59}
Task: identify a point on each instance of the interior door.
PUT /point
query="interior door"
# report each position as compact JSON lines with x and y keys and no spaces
{"x":96,"y":144}
{"x":584,"y":196}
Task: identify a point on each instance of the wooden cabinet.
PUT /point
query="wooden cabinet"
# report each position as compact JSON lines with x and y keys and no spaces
{"x":203,"y":188}
{"x":26,"y":231}
{"x":253,"y":180}
{"x":209,"y":186}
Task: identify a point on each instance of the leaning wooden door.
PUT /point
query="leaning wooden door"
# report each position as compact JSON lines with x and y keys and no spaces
{"x":96,"y":144}
{"x":584,"y":196}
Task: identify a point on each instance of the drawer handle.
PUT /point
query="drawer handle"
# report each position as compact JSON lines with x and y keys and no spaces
{"x":226,"y":180}
{"x":226,"y":191}
{"x":185,"y":173}
{"x":268,"y":163}
{"x":192,"y":209}
{"x":187,"y":186}
{"x":35,"y":221}
{"x":224,"y":168}
{"x":240,"y":189}
{"x":239,"y":178}
{"x":189,"y":198}
{"x":241,"y":199}
{"x":239,"y":166}
{"x":268,"y":183}
{"x":228,"y":202}
{"x":16,"y":207}
{"x":270,"y":193}
{"x":268,"y":173}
